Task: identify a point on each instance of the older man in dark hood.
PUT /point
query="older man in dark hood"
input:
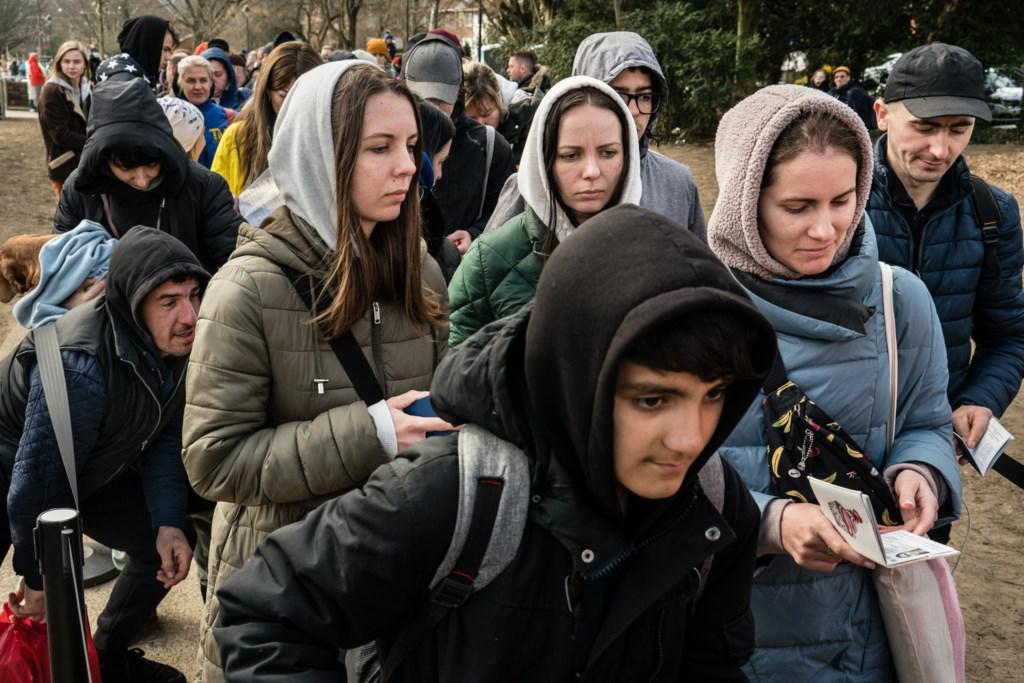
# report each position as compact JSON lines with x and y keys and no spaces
{"x":124,"y":357}
{"x":618,"y":387}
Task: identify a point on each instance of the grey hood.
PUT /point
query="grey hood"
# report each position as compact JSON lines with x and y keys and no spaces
{"x":605,"y":55}
{"x":301,"y":158}
{"x":533,"y":178}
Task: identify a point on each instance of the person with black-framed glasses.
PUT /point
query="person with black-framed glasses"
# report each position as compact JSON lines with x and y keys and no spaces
{"x":626,"y":62}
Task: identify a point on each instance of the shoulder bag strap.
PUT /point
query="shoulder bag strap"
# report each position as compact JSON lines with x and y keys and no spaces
{"x":889,"y":312}
{"x":345,"y":347}
{"x":487,"y":169}
{"x":55,"y":390}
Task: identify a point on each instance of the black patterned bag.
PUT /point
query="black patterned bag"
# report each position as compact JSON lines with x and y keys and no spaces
{"x":804,"y":441}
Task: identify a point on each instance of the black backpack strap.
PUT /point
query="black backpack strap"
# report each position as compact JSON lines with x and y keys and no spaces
{"x":455,"y":588}
{"x":345,"y":347}
{"x":777,"y":376}
{"x":1010,"y":468}
{"x":986,"y":215}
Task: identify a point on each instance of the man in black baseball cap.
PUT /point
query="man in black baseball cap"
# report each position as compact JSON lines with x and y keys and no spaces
{"x":961,"y":235}
{"x":479,"y":161}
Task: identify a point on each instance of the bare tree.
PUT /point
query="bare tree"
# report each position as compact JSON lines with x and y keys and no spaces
{"x":202,"y":18}
{"x":15,"y":23}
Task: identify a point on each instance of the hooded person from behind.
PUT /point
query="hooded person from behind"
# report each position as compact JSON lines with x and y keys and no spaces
{"x":183,"y":199}
{"x":141,"y":42}
{"x":669,"y":186}
{"x":832,"y":340}
{"x":499,"y":273}
{"x":603,"y":578}
{"x":231,"y":97}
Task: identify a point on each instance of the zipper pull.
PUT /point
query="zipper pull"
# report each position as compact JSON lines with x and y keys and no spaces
{"x":376,"y":313}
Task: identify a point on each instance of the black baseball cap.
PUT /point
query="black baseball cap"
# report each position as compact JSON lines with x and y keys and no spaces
{"x":939,"y":80}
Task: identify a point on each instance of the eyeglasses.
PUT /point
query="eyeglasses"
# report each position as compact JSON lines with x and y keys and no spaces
{"x":646,"y":102}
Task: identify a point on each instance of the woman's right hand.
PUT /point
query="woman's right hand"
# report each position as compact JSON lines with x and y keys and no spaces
{"x":812,"y":541}
{"x":411,"y":429}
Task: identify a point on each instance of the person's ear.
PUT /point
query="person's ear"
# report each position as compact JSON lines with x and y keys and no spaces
{"x":881,"y":115}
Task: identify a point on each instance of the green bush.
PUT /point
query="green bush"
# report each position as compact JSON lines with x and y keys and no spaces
{"x":696,"y":54}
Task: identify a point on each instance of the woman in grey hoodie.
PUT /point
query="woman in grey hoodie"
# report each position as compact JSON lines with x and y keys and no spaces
{"x":63,"y":110}
{"x":626,"y":62}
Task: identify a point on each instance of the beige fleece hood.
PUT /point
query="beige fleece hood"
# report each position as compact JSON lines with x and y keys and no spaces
{"x":743,"y":143}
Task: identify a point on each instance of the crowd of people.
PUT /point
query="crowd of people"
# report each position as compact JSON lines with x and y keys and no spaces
{"x":441,"y":375}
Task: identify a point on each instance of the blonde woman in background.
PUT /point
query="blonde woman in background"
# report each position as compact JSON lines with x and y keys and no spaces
{"x":63,"y":111}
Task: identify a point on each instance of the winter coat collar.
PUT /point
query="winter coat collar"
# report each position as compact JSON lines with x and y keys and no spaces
{"x":286,"y":239}
{"x":957,"y":179}
{"x":846,"y":287}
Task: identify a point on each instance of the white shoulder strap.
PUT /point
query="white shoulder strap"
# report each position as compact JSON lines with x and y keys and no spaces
{"x":55,"y":391}
{"x":889,"y":311}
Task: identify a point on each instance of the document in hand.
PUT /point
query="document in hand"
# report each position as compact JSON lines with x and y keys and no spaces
{"x":851,"y":514}
{"x":993,"y":442}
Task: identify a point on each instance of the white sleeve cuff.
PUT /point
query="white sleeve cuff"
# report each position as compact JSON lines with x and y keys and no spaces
{"x":381,"y":415}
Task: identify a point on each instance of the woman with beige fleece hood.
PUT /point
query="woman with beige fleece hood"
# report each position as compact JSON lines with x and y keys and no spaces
{"x":794,"y":171}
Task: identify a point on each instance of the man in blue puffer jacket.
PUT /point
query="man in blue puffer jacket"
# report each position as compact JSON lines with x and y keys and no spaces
{"x":921,"y":208}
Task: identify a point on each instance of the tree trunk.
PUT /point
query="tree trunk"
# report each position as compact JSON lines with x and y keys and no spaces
{"x":617,"y":6}
{"x":746,"y":31}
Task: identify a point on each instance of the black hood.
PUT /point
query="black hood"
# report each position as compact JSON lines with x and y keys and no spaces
{"x":546,"y":376}
{"x":142,"y":38}
{"x":625,"y":272}
{"x":125,"y":116}
{"x":143,"y":260}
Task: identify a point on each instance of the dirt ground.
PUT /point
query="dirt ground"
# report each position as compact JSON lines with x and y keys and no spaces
{"x":989,"y":574}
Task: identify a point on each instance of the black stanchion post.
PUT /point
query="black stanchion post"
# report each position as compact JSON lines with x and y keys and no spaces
{"x":58,"y":541}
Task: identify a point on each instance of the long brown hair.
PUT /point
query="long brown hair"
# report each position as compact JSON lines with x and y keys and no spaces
{"x":552,"y":126}
{"x":287,"y":62}
{"x":385,"y":266}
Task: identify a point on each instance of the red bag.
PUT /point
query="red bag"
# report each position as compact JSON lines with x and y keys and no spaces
{"x":23,"y":653}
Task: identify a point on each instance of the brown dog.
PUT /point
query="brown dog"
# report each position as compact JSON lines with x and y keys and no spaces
{"x":19,"y":264}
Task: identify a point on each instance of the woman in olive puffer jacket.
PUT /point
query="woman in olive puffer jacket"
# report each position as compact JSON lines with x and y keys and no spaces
{"x":273,"y":425}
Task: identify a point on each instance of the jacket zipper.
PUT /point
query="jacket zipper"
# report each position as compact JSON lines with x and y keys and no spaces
{"x":159,"y":414}
{"x":376,"y":346}
{"x":630,"y":552}
{"x":661,"y":645}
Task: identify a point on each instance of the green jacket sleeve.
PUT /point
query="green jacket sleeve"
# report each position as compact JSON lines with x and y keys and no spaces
{"x":469,"y":296}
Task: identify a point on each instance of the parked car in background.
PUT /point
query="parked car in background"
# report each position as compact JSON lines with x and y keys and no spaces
{"x":1004,"y":92}
{"x":873,"y":78}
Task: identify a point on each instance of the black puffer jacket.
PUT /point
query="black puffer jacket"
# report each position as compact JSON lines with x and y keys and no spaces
{"x":188,"y":202}
{"x":462,"y":189}
{"x":357,"y":568}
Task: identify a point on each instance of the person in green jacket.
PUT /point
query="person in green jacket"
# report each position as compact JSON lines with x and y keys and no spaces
{"x":581,"y":157}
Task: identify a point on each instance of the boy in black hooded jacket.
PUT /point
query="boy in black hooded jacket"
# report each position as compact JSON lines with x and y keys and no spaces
{"x":618,"y":386}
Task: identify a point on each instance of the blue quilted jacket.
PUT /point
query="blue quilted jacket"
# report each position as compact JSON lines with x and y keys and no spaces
{"x":971,"y":303}
{"x":813,"y":626}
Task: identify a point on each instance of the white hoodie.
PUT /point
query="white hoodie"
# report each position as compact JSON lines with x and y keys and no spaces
{"x":533,"y":179}
{"x":301,"y":158}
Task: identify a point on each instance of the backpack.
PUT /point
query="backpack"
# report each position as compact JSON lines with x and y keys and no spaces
{"x":986,"y":215}
{"x":494,"y":502}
